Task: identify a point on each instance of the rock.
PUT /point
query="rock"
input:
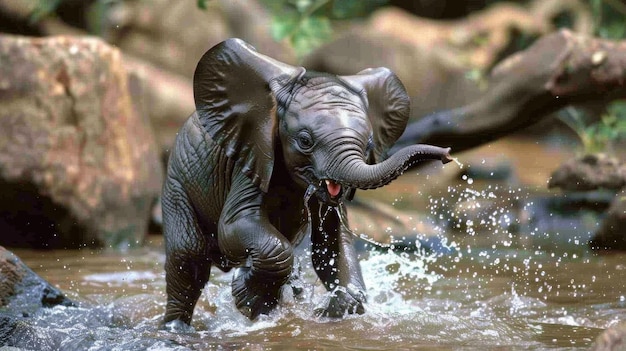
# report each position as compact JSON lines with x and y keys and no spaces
{"x":561,"y":221}
{"x":22,"y":290}
{"x":22,"y":294}
{"x":444,"y":64}
{"x":170,"y":34}
{"x":78,"y":165}
{"x":612,"y":339}
{"x":598,"y":171}
{"x":442,"y":67}
{"x":434,"y":82}
{"x":156,"y":218}
{"x":589,"y":172}
{"x":19,"y":334}
{"x":611,"y":234}
{"x":167,"y":98}
{"x":485,"y":215}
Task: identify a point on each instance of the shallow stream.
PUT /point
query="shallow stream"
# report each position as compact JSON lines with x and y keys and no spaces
{"x":484,"y":287}
{"x":505,"y":294}
{"x":480,"y":297}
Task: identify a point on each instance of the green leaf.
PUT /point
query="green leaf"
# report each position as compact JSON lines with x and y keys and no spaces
{"x":316,"y":27}
{"x":284,"y":26}
{"x":311,"y":33}
{"x":43,"y":9}
{"x":306,"y":23}
{"x":202,"y":4}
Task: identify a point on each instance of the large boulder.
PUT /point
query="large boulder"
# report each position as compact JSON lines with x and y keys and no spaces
{"x":171,"y":34}
{"x":78,"y":164}
{"x":167,"y":98}
{"x":434,"y":82}
{"x":175,"y":34}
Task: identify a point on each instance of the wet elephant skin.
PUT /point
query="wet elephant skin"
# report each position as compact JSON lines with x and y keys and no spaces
{"x":270,"y":148}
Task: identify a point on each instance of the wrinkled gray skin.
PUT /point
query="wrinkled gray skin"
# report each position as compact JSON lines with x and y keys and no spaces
{"x":263,"y":133}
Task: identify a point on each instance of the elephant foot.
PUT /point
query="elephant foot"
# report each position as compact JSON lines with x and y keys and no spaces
{"x":341,"y":302}
{"x":177,"y":326}
{"x":254,"y":296}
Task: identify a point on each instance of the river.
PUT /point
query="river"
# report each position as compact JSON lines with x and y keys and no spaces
{"x":502,"y":290}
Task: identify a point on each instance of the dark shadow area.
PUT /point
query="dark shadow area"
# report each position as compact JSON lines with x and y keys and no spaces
{"x":27,"y":218}
{"x":11,"y":24}
{"x":441,"y":9}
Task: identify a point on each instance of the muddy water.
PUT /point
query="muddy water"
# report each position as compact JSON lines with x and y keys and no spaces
{"x":492,"y":288}
{"x":496,"y":296}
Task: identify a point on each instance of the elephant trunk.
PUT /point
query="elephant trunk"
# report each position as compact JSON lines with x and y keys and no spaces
{"x":354,"y":172}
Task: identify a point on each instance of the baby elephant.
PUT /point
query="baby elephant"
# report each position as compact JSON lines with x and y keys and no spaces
{"x":269,"y":156}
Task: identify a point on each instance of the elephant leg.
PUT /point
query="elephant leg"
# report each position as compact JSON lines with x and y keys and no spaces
{"x":246,"y":236}
{"x":336,"y":263}
{"x":185,"y":279}
{"x":187,"y":263}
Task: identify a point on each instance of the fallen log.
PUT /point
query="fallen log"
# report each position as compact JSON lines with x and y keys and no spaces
{"x":559,"y":70}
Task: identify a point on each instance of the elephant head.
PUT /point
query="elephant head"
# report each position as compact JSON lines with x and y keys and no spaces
{"x":333,"y":131}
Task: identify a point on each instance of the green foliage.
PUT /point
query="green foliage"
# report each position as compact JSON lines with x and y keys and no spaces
{"x":202,"y":4}
{"x":306,"y":24}
{"x":43,"y":9}
{"x":602,"y":134}
{"x":599,"y":136}
{"x":609,"y":17}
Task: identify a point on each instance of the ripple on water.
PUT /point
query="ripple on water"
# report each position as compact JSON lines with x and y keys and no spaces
{"x":411,"y":304}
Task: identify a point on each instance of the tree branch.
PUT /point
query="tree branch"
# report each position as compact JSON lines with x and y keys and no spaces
{"x":560,"y":69}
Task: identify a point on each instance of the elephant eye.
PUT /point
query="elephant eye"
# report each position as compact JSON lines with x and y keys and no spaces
{"x":304,"y":140}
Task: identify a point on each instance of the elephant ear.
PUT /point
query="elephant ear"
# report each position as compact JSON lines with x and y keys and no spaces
{"x":388,"y":106}
{"x":234,"y":91}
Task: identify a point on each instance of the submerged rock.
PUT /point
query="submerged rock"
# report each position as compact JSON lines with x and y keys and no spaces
{"x":598,"y":171}
{"x":612,"y":339}
{"x":78,"y":165}
{"x":18,"y":334}
{"x":612,"y":231}
{"x":589,"y":172}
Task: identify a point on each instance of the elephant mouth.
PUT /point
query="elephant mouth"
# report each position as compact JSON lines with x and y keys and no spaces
{"x":333,"y":188}
{"x":327,"y":190}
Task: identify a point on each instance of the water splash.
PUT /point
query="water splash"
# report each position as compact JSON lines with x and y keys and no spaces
{"x":492,"y":210}
{"x":340,"y":210}
{"x":310,"y":191}
{"x":458,"y":163}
